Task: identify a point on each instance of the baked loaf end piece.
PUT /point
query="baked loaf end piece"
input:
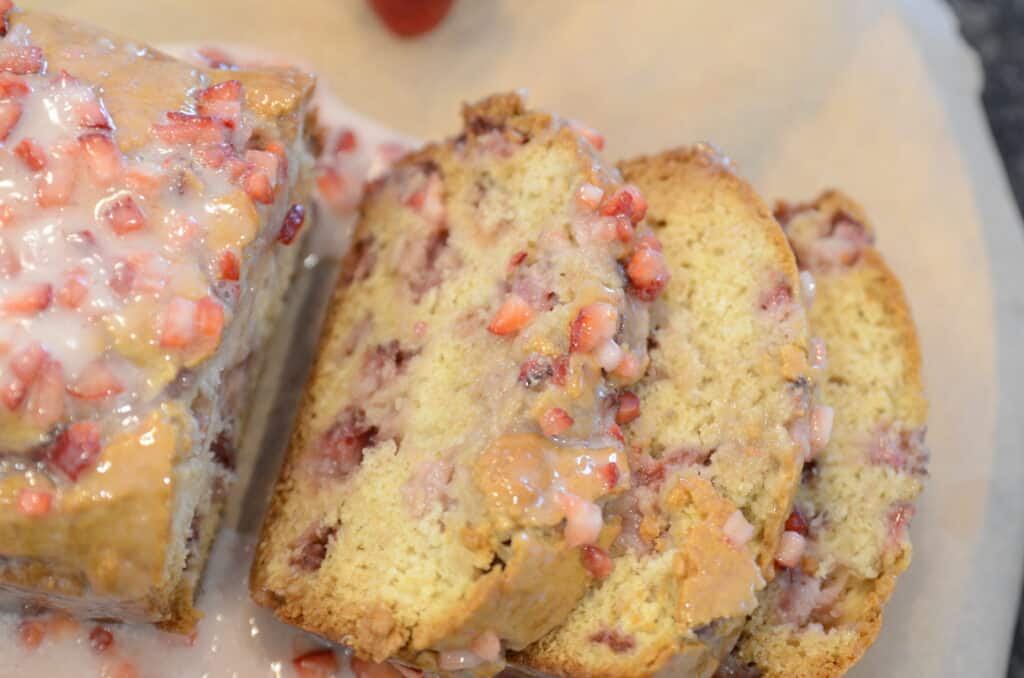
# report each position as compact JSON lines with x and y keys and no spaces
{"x":719,"y":438}
{"x":149,"y":216}
{"x":825,"y":608}
{"x":442,"y":495}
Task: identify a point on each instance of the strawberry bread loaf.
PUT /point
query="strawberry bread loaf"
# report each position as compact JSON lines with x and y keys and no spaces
{"x":149,"y":222}
{"x":717,"y":432}
{"x":442,"y":499}
{"x":846,"y":540}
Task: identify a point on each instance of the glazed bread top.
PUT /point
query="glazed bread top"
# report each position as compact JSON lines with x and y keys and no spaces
{"x":135,"y":193}
{"x":717,"y":442}
{"x":444,"y":485}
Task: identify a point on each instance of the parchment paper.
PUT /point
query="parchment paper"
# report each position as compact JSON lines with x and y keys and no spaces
{"x":879,"y":99}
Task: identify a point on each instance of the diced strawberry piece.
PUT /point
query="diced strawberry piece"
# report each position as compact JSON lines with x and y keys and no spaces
{"x":516,"y":259}
{"x":409,"y":19}
{"x":257,"y":186}
{"x":55,"y":186}
{"x":31,"y":632}
{"x":102,"y":157}
{"x":223,"y":101}
{"x":95,"y":382}
{"x":213,"y":155}
{"x":10,"y":114}
{"x":12,"y":391}
{"x":555,"y":421}
{"x":560,"y":369}
{"x":6,"y":215}
{"x":143,"y":182}
{"x":647,"y":273}
{"x":332,"y":187}
{"x":120,"y":669}
{"x":122,"y":279}
{"x":100,"y":639}
{"x":28,"y":300}
{"x":182,"y":128}
{"x":73,"y":291}
{"x":31,"y":153}
{"x":178,"y":327}
{"x":610,"y":473}
{"x":596,"y":561}
{"x":124,"y":216}
{"x":21,"y":60}
{"x":627,"y":201}
{"x":64,"y":80}
{"x":629,"y":408}
{"x":316,"y":664}
{"x":346,"y":142}
{"x":25,"y":363}
{"x":282,"y":159}
{"x":293,"y":220}
{"x":513,"y":315}
{"x":616,"y":432}
{"x":594,"y":324}
{"x":209,"y":320}
{"x":33,"y":502}
{"x":45,"y":404}
{"x":796,"y":523}
{"x":595,"y":138}
{"x":76,"y":449}
{"x":11,"y":86}
{"x":92,"y":114}
{"x":5,"y":7}
{"x":228,"y":266}
{"x":10,"y":262}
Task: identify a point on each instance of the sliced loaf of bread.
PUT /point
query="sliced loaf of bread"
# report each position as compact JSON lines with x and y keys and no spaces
{"x":717,"y":441}
{"x":846,"y":540}
{"x":441,"y":499}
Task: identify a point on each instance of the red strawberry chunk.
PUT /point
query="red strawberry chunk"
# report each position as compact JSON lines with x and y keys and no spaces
{"x":610,"y":473}
{"x":31,"y":153}
{"x":92,"y":114}
{"x":178,"y":327}
{"x":214,"y":156}
{"x":100,"y":639}
{"x":31,"y":632}
{"x":796,"y":523}
{"x":627,"y":201}
{"x":347,"y":141}
{"x":102,"y":157}
{"x":143,"y":182}
{"x":11,"y":86}
{"x":25,"y":363}
{"x":209,"y":321}
{"x":228,"y":266}
{"x":10,"y":114}
{"x":316,"y":664}
{"x":74,"y":289}
{"x":95,"y":382}
{"x":122,"y":279}
{"x":5,"y":7}
{"x":12,"y":391}
{"x":513,"y":315}
{"x":10,"y":262}
{"x":33,"y":502}
{"x":332,"y":187}
{"x":124,"y":216}
{"x":293,"y":221}
{"x":6,"y":215}
{"x":223,"y":101}
{"x":45,"y":404}
{"x":21,"y":60}
{"x":55,"y":186}
{"x":258,"y":186}
{"x":28,"y":300}
{"x":182,"y":128}
{"x":409,"y":19}
{"x":76,"y":449}
{"x":629,"y":408}
{"x":555,"y":421}
{"x":594,"y":324}
{"x":596,"y":561}
{"x":648,"y":273}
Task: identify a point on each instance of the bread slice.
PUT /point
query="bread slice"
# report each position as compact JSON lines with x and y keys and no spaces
{"x":821,"y":613}
{"x":441,"y":495}
{"x":150,"y":215}
{"x":718,"y":437}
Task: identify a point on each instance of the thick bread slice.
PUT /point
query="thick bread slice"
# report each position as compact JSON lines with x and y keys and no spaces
{"x":716,"y":461}
{"x":143,"y":203}
{"x":819,"y":617}
{"x":458,"y":411}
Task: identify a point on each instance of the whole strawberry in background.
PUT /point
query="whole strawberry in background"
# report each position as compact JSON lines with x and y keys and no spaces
{"x":411,"y":18}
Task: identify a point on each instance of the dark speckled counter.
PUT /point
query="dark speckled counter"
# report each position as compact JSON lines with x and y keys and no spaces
{"x":995,"y":28}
